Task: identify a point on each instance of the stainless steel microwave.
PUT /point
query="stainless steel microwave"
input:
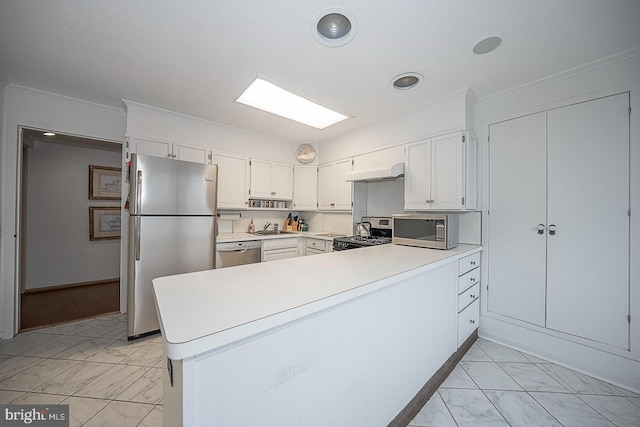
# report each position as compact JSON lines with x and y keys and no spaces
{"x":435,"y":231}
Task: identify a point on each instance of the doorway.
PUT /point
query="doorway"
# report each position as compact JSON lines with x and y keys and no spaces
{"x":69,"y":266}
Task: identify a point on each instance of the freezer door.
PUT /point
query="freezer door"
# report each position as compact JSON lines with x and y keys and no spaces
{"x":172,"y":187}
{"x":163,"y":246}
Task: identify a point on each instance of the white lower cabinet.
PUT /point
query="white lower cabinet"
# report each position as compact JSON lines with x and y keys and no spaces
{"x":468,"y":293}
{"x":274,"y":249}
{"x":317,"y":246}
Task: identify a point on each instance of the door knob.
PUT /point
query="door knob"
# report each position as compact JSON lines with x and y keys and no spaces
{"x":552,"y":229}
{"x":540,"y":228}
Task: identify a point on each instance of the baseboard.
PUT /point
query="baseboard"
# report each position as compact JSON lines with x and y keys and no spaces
{"x":42,"y":307}
{"x":422,"y":397}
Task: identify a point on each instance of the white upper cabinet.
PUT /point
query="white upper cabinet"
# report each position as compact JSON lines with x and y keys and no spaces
{"x":334,"y":190}
{"x":171,"y":150}
{"x":271,"y":180}
{"x":233,"y":181}
{"x":305,"y":187}
{"x":440,"y":173}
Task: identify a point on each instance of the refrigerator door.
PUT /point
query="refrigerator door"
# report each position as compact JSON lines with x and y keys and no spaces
{"x":163,"y":246}
{"x":172,"y":187}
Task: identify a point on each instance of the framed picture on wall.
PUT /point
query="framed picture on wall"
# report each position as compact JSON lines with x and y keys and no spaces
{"x":105,"y":183}
{"x":104,"y":222}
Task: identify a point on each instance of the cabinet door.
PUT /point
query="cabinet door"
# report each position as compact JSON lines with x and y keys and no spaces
{"x":342,"y":186}
{"x":153,"y":148}
{"x":305,"y":187}
{"x":588,"y":257}
{"x":233,"y":181}
{"x":417,"y":177}
{"x":282,"y":181}
{"x":447,"y":172}
{"x":326,"y":187}
{"x":261,"y":179}
{"x":517,"y":204}
{"x":190,"y":154}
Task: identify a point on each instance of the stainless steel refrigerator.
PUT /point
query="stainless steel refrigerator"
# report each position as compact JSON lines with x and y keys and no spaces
{"x":172,"y":229}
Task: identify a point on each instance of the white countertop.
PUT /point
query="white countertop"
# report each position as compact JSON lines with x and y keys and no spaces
{"x":205,"y":310}
{"x":239,"y":237}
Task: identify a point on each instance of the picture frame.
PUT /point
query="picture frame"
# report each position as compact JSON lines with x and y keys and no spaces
{"x":105,"y":183}
{"x":104,"y":222}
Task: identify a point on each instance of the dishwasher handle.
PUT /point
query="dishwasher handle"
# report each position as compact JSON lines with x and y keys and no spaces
{"x":239,"y":247}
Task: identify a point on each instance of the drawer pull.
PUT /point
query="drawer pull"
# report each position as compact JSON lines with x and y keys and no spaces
{"x":473,"y":263}
{"x":473,"y":279}
{"x":473,"y":322}
{"x":472,"y":296}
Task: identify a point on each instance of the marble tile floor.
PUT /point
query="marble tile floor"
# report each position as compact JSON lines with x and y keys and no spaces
{"x":89,"y":365}
{"x":494,"y":385}
{"x":109,"y":381}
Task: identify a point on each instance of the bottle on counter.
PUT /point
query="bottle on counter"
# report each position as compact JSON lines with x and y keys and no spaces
{"x":252,"y":226}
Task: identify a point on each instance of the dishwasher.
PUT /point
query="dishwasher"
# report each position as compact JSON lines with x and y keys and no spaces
{"x":238,"y":253}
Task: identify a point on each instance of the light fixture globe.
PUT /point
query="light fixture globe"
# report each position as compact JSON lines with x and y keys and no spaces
{"x":334,"y":26}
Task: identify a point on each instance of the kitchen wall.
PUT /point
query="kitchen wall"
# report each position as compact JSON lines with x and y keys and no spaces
{"x":58,"y":249}
{"x":448,"y":114}
{"x":610,"y":76}
{"x":148,"y":122}
{"x":451,"y":113}
{"x":40,"y":110}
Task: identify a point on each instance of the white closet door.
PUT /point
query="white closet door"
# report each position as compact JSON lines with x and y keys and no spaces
{"x":588,"y":257}
{"x":517,"y":204}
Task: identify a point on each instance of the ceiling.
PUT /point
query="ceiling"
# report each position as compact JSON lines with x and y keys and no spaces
{"x":196,"y":56}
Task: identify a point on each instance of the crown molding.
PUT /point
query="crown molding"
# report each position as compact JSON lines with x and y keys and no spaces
{"x":572,"y":72}
{"x":62,"y":98}
{"x":193,"y":119}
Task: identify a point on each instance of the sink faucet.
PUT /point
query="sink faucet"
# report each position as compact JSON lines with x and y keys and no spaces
{"x":267,"y":224}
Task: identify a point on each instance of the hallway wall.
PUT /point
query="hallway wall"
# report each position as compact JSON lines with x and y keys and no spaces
{"x":58,"y":249}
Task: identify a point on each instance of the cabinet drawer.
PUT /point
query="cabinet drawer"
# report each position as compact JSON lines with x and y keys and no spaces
{"x":315,"y":243}
{"x":312,"y":251}
{"x":468,"y":263}
{"x":276,"y":254}
{"x":467,"y":280}
{"x":468,"y":321}
{"x":468,"y":296}
{"x":268,"y":244}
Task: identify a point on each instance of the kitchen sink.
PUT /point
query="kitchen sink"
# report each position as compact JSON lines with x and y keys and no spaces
{"x":270,"y":232}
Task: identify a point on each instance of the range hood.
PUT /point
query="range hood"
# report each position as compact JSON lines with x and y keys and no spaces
{"x":377,"y":174}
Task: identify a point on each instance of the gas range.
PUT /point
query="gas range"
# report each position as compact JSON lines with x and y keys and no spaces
{"x":380,"y":235}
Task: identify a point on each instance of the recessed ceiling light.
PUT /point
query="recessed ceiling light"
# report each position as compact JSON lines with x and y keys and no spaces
{"x":406,"y":81}
{"x":273,"y":99}
{"x":49,"y":134}
{"x":486,"y":45}
{"x":334,"y":26}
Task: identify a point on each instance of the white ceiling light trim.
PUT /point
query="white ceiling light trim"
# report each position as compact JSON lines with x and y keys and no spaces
{"x":487,"y":44}
{"x":266,"y":96}
{"x":406,"y":81}
{"x":334,"y":26}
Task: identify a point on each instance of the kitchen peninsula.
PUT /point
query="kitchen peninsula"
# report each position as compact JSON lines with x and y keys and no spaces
{"x":343,"y":338}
